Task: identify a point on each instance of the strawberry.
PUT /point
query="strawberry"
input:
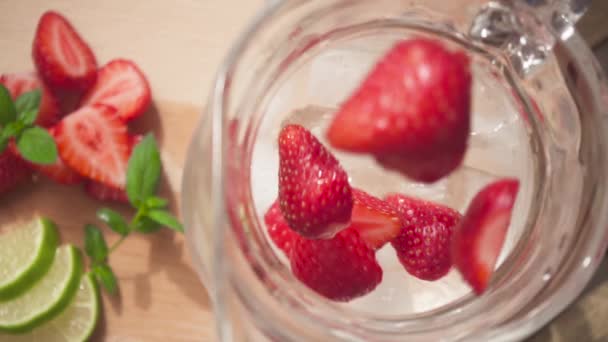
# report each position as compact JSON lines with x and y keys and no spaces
{"x":278,"y":229}
{"x":13,"y":171}
{"x":122,"y":85}
{"x":19,"y":83}
{"x":423,"y":246}
{"x":412,"y":112}
{"x":314,"y":194}
{"x":481,"y":233}
{"x":106,"y":193}
{"x":62,"y":57}
{"x":94,"y":142}
{"x":341,"y":268}
{"x":377,"y":221}
{"x":110,"y":193}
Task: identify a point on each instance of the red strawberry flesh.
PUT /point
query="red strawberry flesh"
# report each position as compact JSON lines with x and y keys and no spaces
{"x":341,"y":268}
{"x":122,"y":85}
{"x":13,"y":171}
{"x":412,"y":112}
{"x":423,"y":246}
{"x":377,"y":221}
{"x":62,"y":57}
{"x":314,"y":194}
{"x":479,"y":237}
{"x":19,"y":83}
{"x":94,"y":142}
{"x":278,"y":229}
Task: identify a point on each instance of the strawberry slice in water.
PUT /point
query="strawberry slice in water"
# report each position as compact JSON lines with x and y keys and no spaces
{"x":377,"y":221}
{"x":94,"y":142}
{"x":62,"y":57}
{"x":479,"y":237}
{"x":122,"y":85}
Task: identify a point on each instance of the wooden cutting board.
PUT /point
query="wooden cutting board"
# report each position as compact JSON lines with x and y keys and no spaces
{"x":179,"y":45}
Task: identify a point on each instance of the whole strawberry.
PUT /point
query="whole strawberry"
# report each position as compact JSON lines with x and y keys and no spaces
{"x":479,"y":237}
{"x":314,"y":194}
{"x":423,"y":246}
{"x":341,"y":268}
{"x":278,"y":229}
{"x":412,"y":112}
{"x":13,"y":171}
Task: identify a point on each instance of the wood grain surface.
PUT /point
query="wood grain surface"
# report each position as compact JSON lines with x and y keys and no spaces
{"x":179,"y":44}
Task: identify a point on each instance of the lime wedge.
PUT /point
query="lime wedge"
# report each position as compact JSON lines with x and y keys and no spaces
{"x":47,"y":297}
{"x":26,"y":253}
{"x":75,"y":324}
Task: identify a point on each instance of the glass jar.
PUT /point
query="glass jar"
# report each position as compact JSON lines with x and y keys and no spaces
{"x":539,"y":114}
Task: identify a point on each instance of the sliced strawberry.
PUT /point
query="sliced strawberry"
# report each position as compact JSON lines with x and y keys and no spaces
{"x":19,"y":83}
{"x":314,"y":194}
{"x":479,"y":237}
{"x":13,"y":171}
{"x":62,"y":57}
{"x":341,"y":268}
{"x":122,"y":85}
{"x":412,"y":112}
{"x":106,"y":193}
{"x":423,"y":246}
{"x":278,"y":229}
{"x":377,"y":221}
{"x":94,"y":142}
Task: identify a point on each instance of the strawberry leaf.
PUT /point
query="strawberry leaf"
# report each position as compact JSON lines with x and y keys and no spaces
{"x":114,"y":220}
{"x":8,"y":112}
{"x":94,"y":244}
{"x":28,"y":101}
{"x":166,"y":219}
{"x":143,"y":172}
{"x":36,"y":145}
{"x":106,"y":277}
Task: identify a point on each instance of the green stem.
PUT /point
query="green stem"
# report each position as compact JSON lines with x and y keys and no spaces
{"x":134,"y":221}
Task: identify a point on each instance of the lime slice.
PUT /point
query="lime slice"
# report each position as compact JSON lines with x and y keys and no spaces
{"x":75,"y":324}
{"x":26,"y":253}
{"x":48,"y":297}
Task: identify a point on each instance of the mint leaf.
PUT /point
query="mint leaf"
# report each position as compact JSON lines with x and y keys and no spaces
{"x":37,"y":145}
{"x":94,"y":244}
{"x":106,"y":277}
{"x":8,"y":112}
{"x":166,"y":219}
{"x":146,"y":226}
{"x":154,"y":202}
{"x":12,"y":129}
{"x":28,"y":117}
{"x":143,"y":172}
{"x":28,"y":101}
{"x":114,"y":220}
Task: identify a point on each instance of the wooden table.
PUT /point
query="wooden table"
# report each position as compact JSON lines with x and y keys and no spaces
{"x":179,"y":44}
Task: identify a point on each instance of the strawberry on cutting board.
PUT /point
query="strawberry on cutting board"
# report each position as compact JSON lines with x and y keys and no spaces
{"x":13,"y":171}
{"x":122,"y":85}
{"x":62,"y":57}
{"x":94,"y":142}
{"x":479,"y":237}
{"x":19,"y":83}
{"x":314,"y":194}
{"x":423,"y":245}
{"x":341,"y":268}
{"x":412,"y":112}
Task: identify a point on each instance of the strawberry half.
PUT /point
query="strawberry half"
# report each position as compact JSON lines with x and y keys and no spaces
{"x":423,"y":246}
{"x":278,"y":229}
{"x":94,"y":142}
{"x":19,"y":83}
{"x":341,"y":268}
{"x":314,"y":194}
{"x":376,"y":221}
{"x":479,"y":237}
{"x":123,"y":86}
{"x":13,"y":171}
{"x":412,"y":112}
{"x":62,"y":57}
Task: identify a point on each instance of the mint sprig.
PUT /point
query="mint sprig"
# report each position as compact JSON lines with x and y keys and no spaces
{"x":17,"y":120}
{"x":151,"y":213}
